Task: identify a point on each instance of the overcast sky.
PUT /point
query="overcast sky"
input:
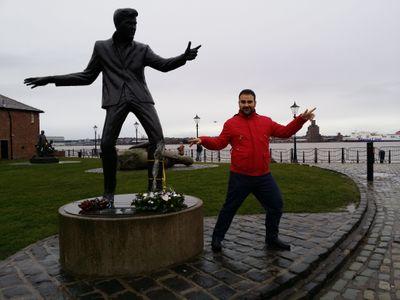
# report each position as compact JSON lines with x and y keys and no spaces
{"x":342,"y":56}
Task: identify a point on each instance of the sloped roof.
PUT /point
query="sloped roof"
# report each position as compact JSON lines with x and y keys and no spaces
{"x":8,"y":103}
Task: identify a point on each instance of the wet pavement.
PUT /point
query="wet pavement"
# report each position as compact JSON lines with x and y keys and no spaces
{"x":360,"y":248}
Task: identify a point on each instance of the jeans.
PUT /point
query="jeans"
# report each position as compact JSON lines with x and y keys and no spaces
{"x":267,"y":193}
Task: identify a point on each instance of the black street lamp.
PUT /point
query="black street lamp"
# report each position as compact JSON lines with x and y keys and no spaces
{"x":197,"y":120}
{"x":136,"y":127}
{"x":295,"y":109}
{"x":95,"y":139}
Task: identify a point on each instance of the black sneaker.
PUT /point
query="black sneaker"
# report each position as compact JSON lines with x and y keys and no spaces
{"x":216,"y":245}
{"x":277,"y":244}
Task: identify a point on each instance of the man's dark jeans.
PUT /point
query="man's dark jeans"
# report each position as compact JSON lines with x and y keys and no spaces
{"x":264,"y":189}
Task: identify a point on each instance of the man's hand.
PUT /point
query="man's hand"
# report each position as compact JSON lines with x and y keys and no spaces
{"x":191,"y":54}
{"x":37,"y":81}
{"x":194,"y":141}
{"x":308,"y":114}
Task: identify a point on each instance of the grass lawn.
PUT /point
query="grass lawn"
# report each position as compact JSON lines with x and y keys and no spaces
{"x":30,"y":195}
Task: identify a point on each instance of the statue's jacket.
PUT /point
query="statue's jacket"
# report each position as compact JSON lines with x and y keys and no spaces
{"x":249,"y":137}
{"x":118,"y":72}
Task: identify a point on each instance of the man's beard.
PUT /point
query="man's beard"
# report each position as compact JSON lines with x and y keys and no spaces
{"x":247,"y":111}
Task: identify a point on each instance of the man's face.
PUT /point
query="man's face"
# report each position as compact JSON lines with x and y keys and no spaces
{"x":127,"y":27}
{"x":247,"y":104}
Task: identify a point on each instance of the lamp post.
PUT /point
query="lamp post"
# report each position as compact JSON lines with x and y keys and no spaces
{"x":136,"y":127}
{"x":295,"y":109}
{"x":197,"y":120}
{"x":95,"y":139}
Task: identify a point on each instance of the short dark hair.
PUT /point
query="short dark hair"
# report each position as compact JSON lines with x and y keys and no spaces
{"x":248,"y":92}
{"x":124,"y":13}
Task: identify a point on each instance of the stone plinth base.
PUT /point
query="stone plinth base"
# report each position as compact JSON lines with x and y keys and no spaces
{"x":120,"y":242}
{"x":44,"y":160}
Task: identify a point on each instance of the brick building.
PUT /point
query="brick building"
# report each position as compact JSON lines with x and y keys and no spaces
{"x":19,"y":129}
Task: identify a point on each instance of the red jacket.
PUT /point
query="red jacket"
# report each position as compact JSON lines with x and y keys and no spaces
{"x":249,"y":138}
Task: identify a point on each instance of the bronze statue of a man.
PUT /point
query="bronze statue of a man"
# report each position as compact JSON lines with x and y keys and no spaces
{"x":121,"y":61}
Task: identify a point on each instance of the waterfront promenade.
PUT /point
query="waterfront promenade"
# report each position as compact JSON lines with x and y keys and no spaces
{"x":342,"y":255}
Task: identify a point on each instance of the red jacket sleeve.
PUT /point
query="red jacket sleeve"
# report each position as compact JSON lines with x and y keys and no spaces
{"x":218,"y":142}
{"x":287,"y":131}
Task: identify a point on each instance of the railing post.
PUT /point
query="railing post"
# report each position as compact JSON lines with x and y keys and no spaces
{"x":304,"y":158}
{"x":280,"y":155}
{"x":291,"y":155}
{"x":390,"y":157}
{"x":329,"y":156}
{"x":358,"y":157}
{"x":343,"y":160}
{"x":191,"y":153}
{"x":205,"y":155}
{"x":219,"y":156}
{"x":270,"y":154}
{"x":212,"y":156}
{"x":370,"y":161}
{"x":316,"y":155}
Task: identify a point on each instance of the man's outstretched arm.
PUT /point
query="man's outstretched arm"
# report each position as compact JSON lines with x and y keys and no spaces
{"x":80,"y":78}
{"x":214,"y":143}
{"x":287,"y":131}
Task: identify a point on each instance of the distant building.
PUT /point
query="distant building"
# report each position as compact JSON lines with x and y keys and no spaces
{"x":19,"y":129}
{"x":372,"y":136}
{"x":313,"y":135}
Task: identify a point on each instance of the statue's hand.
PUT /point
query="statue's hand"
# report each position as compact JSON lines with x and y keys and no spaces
{"x":191,"y":54}
{"x":37,"y":81}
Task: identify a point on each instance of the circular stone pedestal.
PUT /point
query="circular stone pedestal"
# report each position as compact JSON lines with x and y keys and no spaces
{"x":120,"y":242}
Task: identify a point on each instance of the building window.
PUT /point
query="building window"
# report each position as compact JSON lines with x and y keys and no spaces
{"x":32,"y":118}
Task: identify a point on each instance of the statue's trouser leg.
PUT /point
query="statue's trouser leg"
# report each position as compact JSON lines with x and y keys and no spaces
{"x":115,"y":117}
{"x":148,"y":118}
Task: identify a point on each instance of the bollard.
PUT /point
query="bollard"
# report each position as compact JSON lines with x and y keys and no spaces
{"x":280,"y":155}
{"x":358,"y":157}
{"x":370,"y":161}
{"x":291,"y":155}
{"x":329,"y":156}
{"x":191,"y":153}
{"x":390,"y":157}
{"x":219,"y":156}
{"x":316,"y":155}
{"x":304,"y":158}
{"x":343,"y":160}
{"x":212,"y":156}
{"x":205,"y":155}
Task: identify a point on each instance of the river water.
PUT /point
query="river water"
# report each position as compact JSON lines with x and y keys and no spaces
{"x":282,"y":152}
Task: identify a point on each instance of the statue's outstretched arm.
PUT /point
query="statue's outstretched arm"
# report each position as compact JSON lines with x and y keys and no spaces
{"x":85,"y":77}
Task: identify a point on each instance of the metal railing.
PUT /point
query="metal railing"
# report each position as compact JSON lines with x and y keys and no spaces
{"x":306,"y":155}
{"x":312,"y":155}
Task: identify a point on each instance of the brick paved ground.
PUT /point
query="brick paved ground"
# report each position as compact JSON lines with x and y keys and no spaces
{"x":373,"y":272}
{"x":244,"y":269}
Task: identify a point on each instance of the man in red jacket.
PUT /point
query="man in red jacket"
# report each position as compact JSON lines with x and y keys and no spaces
{"x":249,"y":133}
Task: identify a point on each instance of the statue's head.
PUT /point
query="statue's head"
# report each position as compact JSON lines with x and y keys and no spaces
{"x":125,"y":22}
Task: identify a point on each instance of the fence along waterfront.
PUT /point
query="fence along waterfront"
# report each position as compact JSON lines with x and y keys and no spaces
{"x":284,"y":154}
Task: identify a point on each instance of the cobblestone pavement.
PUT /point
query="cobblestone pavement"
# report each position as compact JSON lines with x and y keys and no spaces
{"x":373,"y":272}
{"x":245,"y":269}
